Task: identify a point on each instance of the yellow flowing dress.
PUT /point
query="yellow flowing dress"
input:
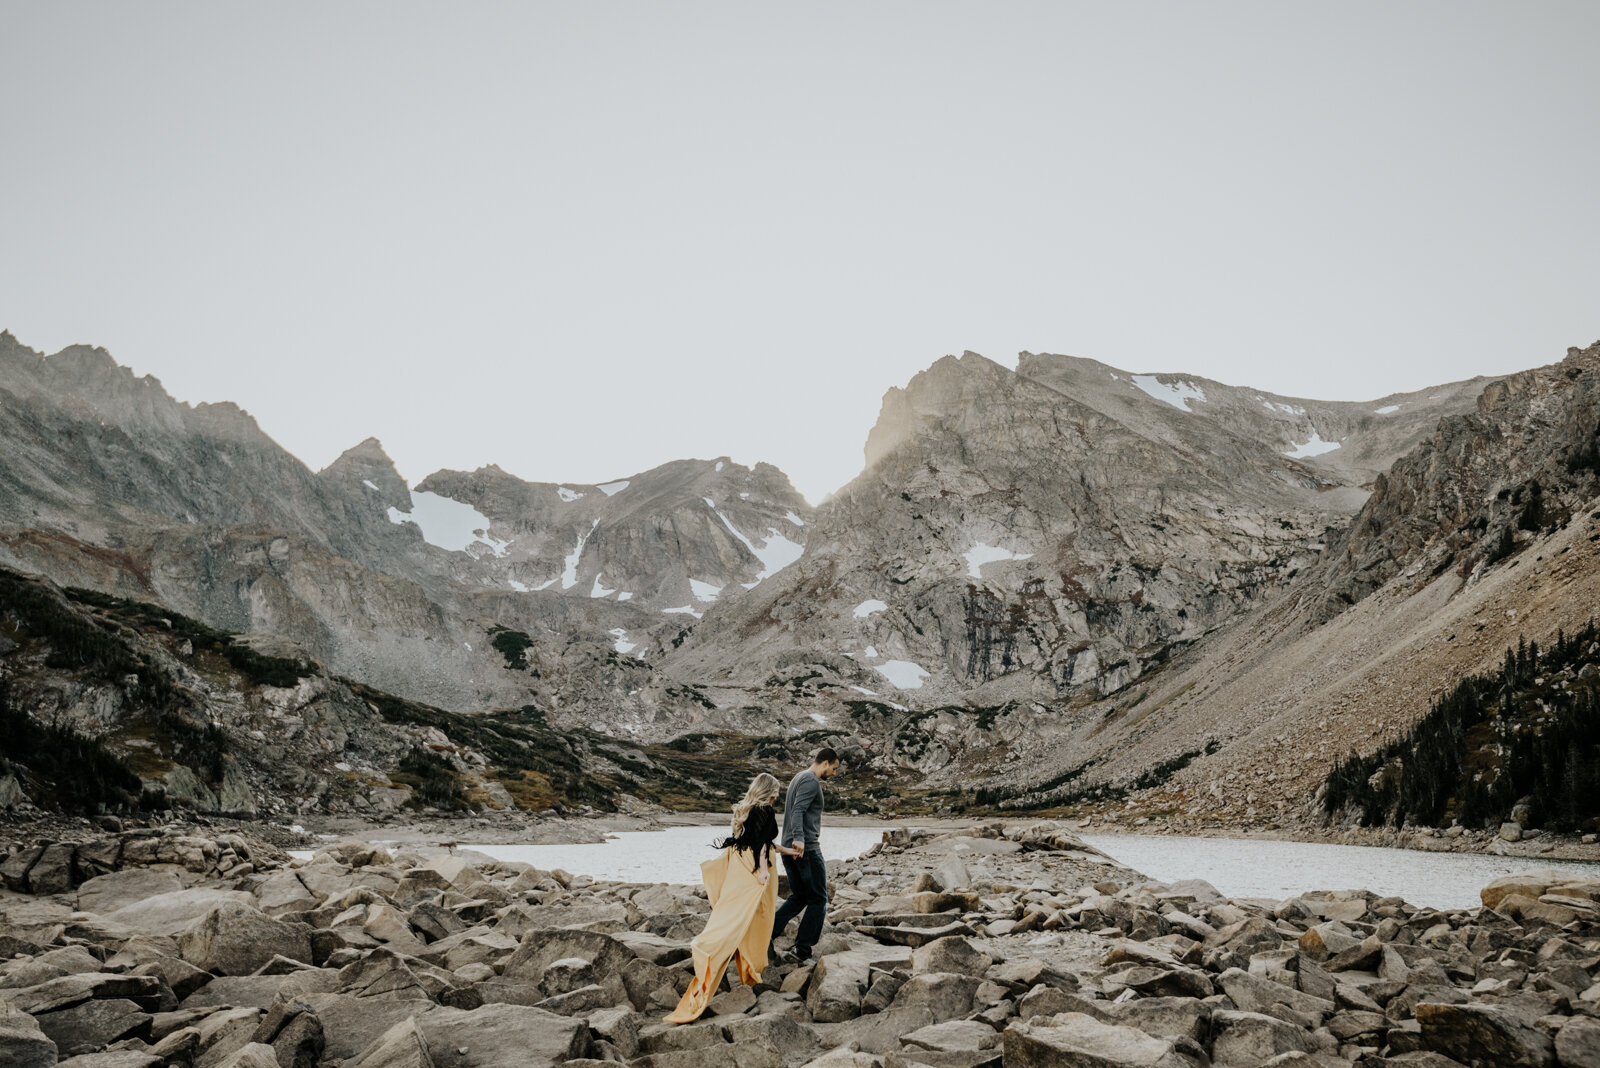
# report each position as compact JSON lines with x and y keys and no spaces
{"x":740,"y":929}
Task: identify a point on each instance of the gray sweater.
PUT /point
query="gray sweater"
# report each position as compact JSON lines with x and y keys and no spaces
{"x":802,"y":811}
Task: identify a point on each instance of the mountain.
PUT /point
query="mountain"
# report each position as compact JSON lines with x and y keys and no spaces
{"x":113,"y":485}
{"x":1057,"y":531}
{"x":112,"y":704}
{"x":1484,"y":537}
{"x":1051,"y":585}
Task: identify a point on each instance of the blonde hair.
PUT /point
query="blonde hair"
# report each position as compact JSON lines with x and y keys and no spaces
{"x":763,"y":791}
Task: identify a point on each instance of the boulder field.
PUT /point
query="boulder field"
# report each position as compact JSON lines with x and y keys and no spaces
{"x":1014,"y":944}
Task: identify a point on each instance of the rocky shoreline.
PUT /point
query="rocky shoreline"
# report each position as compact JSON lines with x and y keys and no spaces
{"x":1526,"y":843}
{"x":999,"y":944}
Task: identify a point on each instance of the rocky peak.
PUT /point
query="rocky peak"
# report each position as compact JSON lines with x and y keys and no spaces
{"x":1064,"y":527}
{"x":950,"y":384}
{"x":1482,"y":483}
{"x":367,"y":468}
{"x":675,"y":538}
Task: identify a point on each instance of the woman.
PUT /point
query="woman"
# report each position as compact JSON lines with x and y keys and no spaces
{"x":743,"y":893}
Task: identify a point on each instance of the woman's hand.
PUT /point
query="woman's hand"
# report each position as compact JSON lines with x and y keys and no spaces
{"x":762,"y":876}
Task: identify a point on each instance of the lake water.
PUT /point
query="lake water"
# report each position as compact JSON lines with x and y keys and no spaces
{"x":672,"y":855}
{"x":1245,"y":867}
{"x":1239,"y":867}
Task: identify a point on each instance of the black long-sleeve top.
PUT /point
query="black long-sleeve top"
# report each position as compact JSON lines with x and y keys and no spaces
{"x":760,"y":830}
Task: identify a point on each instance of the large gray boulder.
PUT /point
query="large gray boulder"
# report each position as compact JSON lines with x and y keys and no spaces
{"x":402,"y":1046}
{"x":1482,"y":1034}
{"x":540,"y":949}
{"x":93,"y":1025}
{"x":22,"y":1043}
{"x":1251,"y":993}
{"x":52,"y":873}
{"x":1073,"y":1040}
{"x":503,"y":1036}
{"x":1578,"y":1043}
{"x":837,"y":983}
{"x":1251,"y":1038}
{"x":235,"y":938}
{"x":955,"y":954}
{"x":281,"y":892}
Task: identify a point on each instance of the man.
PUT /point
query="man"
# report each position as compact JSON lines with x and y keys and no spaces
{"x":801,"y":844}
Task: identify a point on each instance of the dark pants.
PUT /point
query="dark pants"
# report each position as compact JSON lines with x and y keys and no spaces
{"x":808,"y":890}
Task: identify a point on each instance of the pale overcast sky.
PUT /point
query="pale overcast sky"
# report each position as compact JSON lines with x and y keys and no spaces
{"x":582,"y":239}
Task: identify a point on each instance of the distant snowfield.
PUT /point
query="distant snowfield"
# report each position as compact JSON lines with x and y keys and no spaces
{"x":448,"y":524}
{"x":983,"y":553}
{"x":599,"y":590}
{"x":1286,"y":409}
{"x":568,"y":495}
{"x":569,"y":574}
{"x":866,"y":608}
{"x":776,"y":551}
{"x":796,"y":520}
{"x":367,"y":482}
{"x":518,"y":586}
{"x":611,"y":489}
{"x":621,"y":643}
{"x":903,"y":674}
{"x":703,"y":591}
{"x":687,"y":610}
{"x":1315,"y":447}
{"x":1387,"y":409}
{"x":1177,"y":394}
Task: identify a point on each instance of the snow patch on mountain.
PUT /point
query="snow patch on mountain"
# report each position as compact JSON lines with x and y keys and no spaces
{"x":568,"y":495}
{"x":704,"y":591}
{"x":866,"y":608}
{"x":775,"y":552}
{"x":1315,"y":447}
{"x":448,"y":524}
{"x":983,"y":553}
{"x":569,"y":576}
{"x":1177,"y":394}
{"x":611,"y":489}
{"x":903,"y":674}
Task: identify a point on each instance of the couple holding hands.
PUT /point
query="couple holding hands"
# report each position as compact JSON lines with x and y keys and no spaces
{"x":743,"y":889}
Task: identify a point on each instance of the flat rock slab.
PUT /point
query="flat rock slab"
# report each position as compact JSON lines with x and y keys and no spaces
{"x":120,"y":1058}
{"x":954,"y":1035}
{"x":914,"y":937}
{"x":105,"y":894}
{"x":1073,"y":1040}
{"x":93,"y":1025}
{"x":962,"y":845}
{"x":260,"y":991}
{"x":174,"y":912}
